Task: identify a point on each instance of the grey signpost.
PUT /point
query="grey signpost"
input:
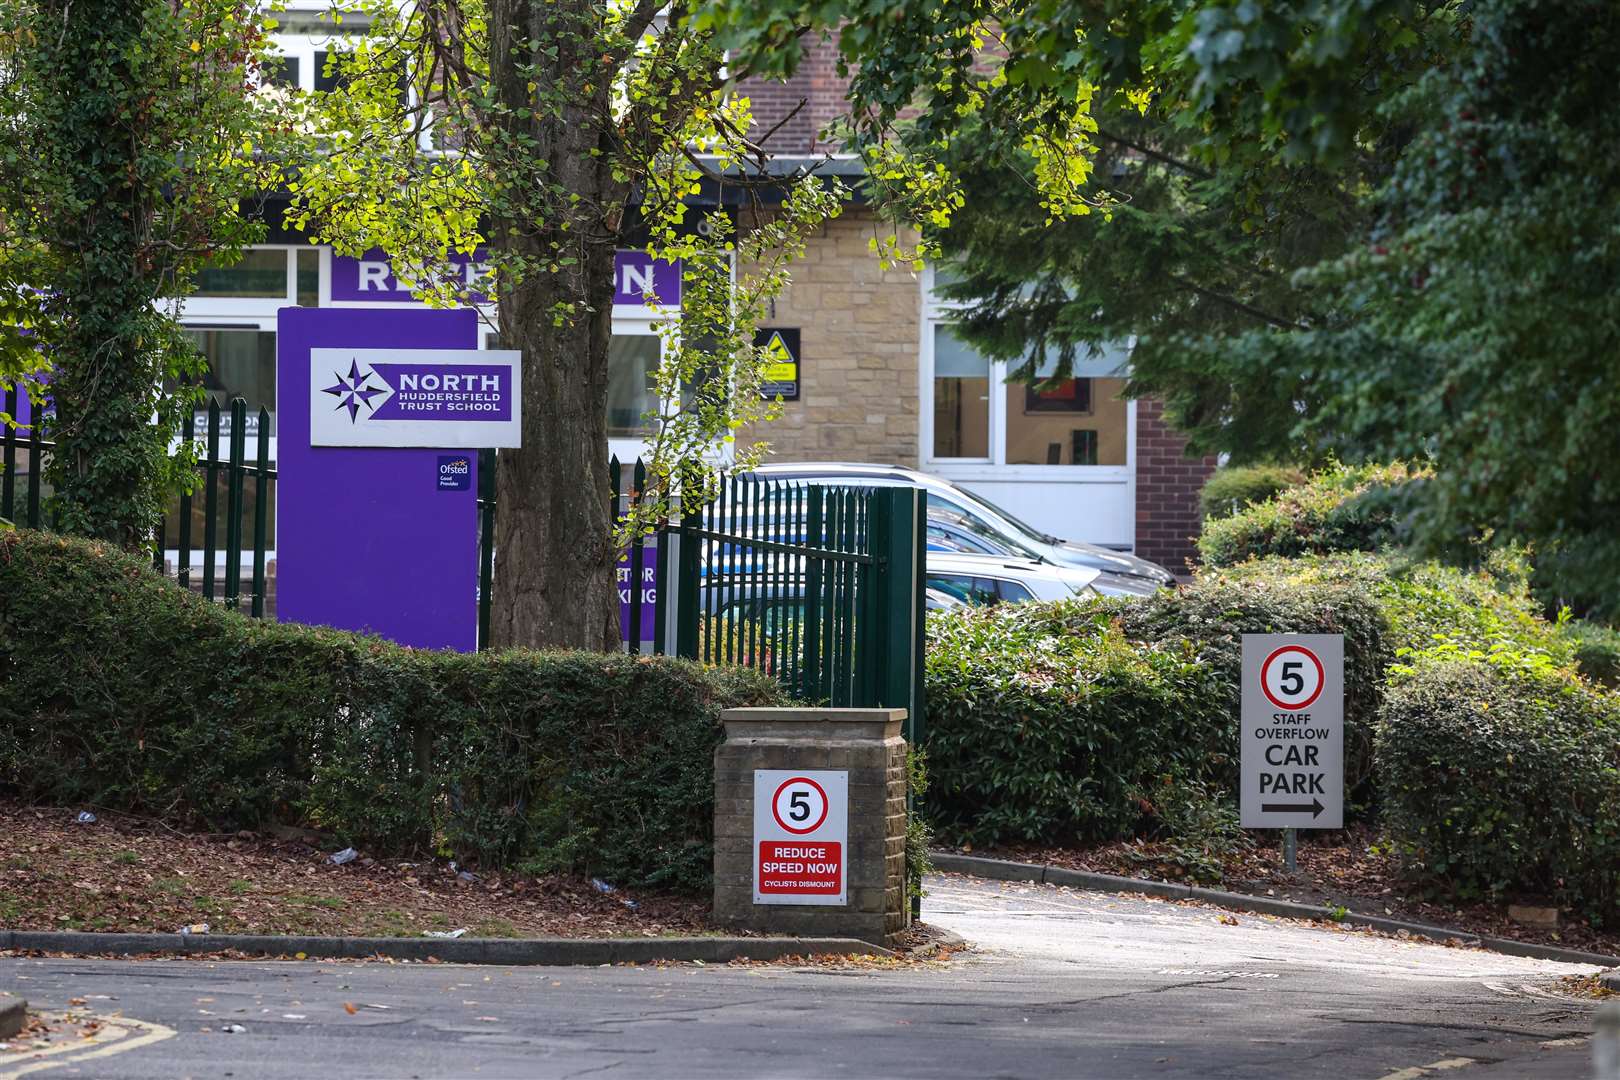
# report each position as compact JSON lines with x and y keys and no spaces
{"x":1292,"y":774}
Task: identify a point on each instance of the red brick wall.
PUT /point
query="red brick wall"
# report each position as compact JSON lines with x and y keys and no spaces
{"x":1167,"y":487}
{"x":817,"y":84}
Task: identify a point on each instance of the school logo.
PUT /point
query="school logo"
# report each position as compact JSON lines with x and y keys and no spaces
{"x":355,"y":389}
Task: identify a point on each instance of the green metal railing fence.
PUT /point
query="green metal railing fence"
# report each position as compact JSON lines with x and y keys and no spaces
{"x":817,"y":585}
{"x":231,"y":472}
{"x":235,"y":472}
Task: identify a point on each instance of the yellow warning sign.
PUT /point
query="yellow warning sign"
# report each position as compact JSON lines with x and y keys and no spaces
{"x":780,"y":377}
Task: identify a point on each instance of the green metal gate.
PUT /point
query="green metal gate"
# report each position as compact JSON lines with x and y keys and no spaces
{"x":819,"y":586}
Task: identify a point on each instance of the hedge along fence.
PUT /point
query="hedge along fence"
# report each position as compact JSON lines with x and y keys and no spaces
{"x":122,"y":689}
{"x":1048,"y":721}
{"x":1337,"y":509}
{"x":1053,"y":722}
{"x":1503,"y":780}
{"x":1046,"y":724}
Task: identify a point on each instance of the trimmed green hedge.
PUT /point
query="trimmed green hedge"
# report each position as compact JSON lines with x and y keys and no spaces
{"x":1051,"y":722}
{"x":1046,"y":724}
{"x":1230,"y":489}
{"x":1053,"y":717}
{"x":1335,"y":510}
{"x":122,"y":689}
{"x":1502,"y":782}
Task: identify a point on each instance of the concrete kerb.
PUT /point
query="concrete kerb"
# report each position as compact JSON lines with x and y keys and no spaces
{"x":1002,"y":870}
{"x":514,"y":952}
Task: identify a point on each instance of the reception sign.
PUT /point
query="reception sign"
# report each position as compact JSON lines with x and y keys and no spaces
{"x":415,"y":397}
{"x":638,"y":279}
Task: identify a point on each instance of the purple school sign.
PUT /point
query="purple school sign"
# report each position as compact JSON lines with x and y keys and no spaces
{"x":376,"y":539}
{"x":638,"y":278}
{"x":384,"y":538}
{"x":647,"y":588}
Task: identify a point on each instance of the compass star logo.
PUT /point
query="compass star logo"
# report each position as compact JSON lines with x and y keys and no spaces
{"x":354,"y":389}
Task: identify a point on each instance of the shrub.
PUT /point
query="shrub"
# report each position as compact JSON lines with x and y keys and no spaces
{"x":1230,"y":489}
{"x":1426,"y":604}
{"x":1045,"y":722}
{"x":124,"y":690}
{"x":1500,"y":781}
{"x":1335,"y":510}
{"x":1597,"y":650}
{"x":1200,"y":830}
{"x":1211,"y":616}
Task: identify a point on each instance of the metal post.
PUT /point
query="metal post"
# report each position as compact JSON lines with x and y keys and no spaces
{"x":234,"y":496}
{"x":261,"y":512}
{"x":210,"y":527}
{"x":8,"y":483}
{"x":1290,"y":844}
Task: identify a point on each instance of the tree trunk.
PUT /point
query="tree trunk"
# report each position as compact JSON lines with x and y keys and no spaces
{"x":554,"y":571}
{"x":107,"y":469}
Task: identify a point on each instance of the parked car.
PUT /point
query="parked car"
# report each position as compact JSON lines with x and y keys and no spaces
{"x":960,"y":520}
{"x":756,"y":599}
{"x":982,"y":580}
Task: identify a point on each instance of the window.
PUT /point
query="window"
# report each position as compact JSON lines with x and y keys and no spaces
{"x":282,"y":71}
{"x":329,"y":74}
{"x":961,"y":398}
{"x":632,"y":365}
{"x":1001,"y":541}
{"x":1014,"y":592}
{"x":262,"y":272}
{"x":975,"y":591}
{"x":1078,"y":421}
{"x":308,"y":283}
{"x":241,"y":363}
{"x":980,"y":591}
{"x":942,"y":537}
{"x":972,"y":416}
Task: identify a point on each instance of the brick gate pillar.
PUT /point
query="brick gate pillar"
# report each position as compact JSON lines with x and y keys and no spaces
{"x":844,"y":771}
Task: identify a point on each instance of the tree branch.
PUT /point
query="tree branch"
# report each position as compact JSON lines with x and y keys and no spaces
{"x":1157,"y":155}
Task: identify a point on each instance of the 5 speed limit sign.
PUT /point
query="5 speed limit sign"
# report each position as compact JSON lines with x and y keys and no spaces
{"x":801,"y":837}
{"x":1293,"y":731}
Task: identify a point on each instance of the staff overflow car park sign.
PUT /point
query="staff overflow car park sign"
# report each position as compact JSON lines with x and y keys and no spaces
{"x":1293,"y":731}
{"x":801,"y":837}
{"x":452,"y":398}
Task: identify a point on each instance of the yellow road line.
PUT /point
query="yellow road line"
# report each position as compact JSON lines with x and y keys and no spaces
{"x":134,"y":1034}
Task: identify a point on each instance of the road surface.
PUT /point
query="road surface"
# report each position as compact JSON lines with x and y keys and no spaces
{"x":1062,"y":983}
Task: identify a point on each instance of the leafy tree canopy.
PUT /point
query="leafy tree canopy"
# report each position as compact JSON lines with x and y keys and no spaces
{"x":129,"y":138}
{"x":1369,"y":229}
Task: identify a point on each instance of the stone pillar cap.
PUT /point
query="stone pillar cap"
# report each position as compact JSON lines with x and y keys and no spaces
{"x":810,"y":714}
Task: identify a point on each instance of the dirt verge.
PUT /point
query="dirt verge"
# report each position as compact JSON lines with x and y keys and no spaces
{"x":128,"y":874}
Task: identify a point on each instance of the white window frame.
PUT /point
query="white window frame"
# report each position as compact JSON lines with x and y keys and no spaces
{"x":195,"y":321}
{"x":936,"y":313}
{"x":226,"y":308}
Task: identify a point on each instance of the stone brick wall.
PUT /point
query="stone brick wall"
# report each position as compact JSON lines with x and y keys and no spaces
{"x":1167,"y":487}
{"x":865,"y":742}
{"x":859,"y":332}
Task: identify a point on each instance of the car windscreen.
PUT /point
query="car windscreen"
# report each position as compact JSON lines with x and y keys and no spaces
{"x":942,"y":509}
{"x":969,"y":498}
